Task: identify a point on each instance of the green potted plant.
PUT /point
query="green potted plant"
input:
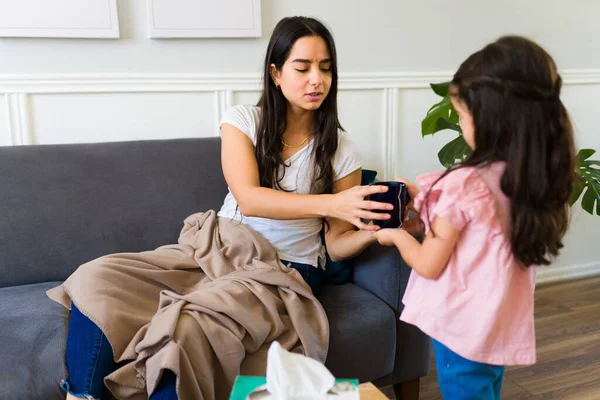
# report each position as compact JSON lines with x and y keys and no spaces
{"x":441,"y":116}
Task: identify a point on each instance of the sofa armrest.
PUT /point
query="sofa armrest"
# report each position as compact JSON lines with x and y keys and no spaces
{"x":382,"y":271}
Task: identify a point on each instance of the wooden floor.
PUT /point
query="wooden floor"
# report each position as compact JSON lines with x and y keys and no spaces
{"x":567,"y":320}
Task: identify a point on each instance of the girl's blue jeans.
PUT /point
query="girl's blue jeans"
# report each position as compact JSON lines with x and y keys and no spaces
{"x":462,"y":379}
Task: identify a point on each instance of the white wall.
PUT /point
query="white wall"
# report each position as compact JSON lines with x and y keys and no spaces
{"x":373,"y":36}
{"x":68,"y":90}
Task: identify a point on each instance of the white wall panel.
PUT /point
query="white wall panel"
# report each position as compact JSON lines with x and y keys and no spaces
{"x":68,"y":118}
{"x":5,"y":131}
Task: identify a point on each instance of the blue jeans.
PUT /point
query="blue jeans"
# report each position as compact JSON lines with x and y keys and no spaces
{"x":462,"y":379}
{"x":312,"y":275}
{"x":89,"y":354}
{"x":89,"y":358}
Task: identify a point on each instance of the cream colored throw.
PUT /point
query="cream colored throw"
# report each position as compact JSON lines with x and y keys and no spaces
{"x":206,"y":308}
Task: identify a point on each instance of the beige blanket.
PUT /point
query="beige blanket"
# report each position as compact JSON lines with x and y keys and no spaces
{"x":206,"y":308}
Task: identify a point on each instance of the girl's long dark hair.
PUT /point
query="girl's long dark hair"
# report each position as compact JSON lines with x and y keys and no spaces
{"x":512,"y":89}
{"x":273,"y":107}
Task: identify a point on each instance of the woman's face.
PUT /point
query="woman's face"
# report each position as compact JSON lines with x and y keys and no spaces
{"x":305,"y":77}
{"x":465,"y":120}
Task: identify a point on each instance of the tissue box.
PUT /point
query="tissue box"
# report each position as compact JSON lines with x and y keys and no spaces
{"x":244,"y":386}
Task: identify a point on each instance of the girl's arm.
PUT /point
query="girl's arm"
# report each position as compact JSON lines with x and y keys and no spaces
{"x":241,"y":173}
{"x":430,"y":258}
{"x":341,"y":239}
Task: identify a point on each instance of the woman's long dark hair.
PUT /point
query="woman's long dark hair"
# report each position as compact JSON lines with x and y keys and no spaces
{"x":273,"y":107}
{"x":512,"y":89}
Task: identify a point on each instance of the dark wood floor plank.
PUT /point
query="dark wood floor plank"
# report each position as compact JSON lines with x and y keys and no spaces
{"x":513,"y":391}
{"x":563,"y":373}
{"x":566,"y":289}
{"x":545,"y":307}
{"x":577,"y":322}
{"x":559,"y":348}
{"x":539,"y":370}
{"x":588,"y":391}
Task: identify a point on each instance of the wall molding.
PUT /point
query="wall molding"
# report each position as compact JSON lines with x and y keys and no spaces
{"x":223,"y":100}
{"x":18,"y":87}
{"x":564,"y":273}
{"x":17,"y":112}
{"x":142,"y":82}
{"x":390,"y":131}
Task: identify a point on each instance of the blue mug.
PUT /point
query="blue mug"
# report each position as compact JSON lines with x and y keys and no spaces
{"x":397,"y":195}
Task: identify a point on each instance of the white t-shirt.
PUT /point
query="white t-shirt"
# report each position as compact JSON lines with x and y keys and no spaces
{"x":296,"y":240}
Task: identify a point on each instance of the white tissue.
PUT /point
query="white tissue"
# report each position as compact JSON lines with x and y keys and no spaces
{"x":294,"y":376}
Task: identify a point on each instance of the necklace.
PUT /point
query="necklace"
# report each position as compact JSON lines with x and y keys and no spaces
{"x":296,"y":145}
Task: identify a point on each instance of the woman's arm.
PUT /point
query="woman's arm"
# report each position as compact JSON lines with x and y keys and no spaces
{"x":341,"y":239}
{"x":241,"y":173}
{"x":428,"y":259}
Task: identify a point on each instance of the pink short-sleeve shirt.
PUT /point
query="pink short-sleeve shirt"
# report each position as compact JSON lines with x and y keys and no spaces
{"x":481,"y":307}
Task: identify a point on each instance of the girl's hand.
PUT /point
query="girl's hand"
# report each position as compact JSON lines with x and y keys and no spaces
{"x":413,"y":191}
{"x":386,"y":237}
{"x":350,"y":205}
{"x":414,"y":226}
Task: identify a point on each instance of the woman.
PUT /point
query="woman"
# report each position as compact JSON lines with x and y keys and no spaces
{"x":288,"y":164}
{"x":287,"y":161}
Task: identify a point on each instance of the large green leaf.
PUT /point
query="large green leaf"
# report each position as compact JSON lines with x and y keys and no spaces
{"x":576,"y":191}
{"x":444,"y":123}
{"x":584,"y":154}
{"x":441,"y":89}
{"x":443,"y":110}
{"x":591,"y":196}
{"x":580,"y":183}
{"x":589,"y":174}
{"x":454,"y":151}
{"x":454,"y":116}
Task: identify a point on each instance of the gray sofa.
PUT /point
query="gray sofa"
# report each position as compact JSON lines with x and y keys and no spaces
{"x":63,"y":205}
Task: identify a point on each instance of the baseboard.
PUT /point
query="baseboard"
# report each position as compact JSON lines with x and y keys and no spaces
{"x":561,"y":273}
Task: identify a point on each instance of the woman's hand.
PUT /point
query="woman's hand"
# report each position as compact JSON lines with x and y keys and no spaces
{"x":350,"y":205}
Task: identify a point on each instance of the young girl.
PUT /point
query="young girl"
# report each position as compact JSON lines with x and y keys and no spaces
{"x":491,"y":219}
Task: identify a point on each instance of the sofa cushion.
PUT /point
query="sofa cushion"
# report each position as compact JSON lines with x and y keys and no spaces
{"x":357,"y":317}
{"x":33,"y":331}
{"x":64,"y":205}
